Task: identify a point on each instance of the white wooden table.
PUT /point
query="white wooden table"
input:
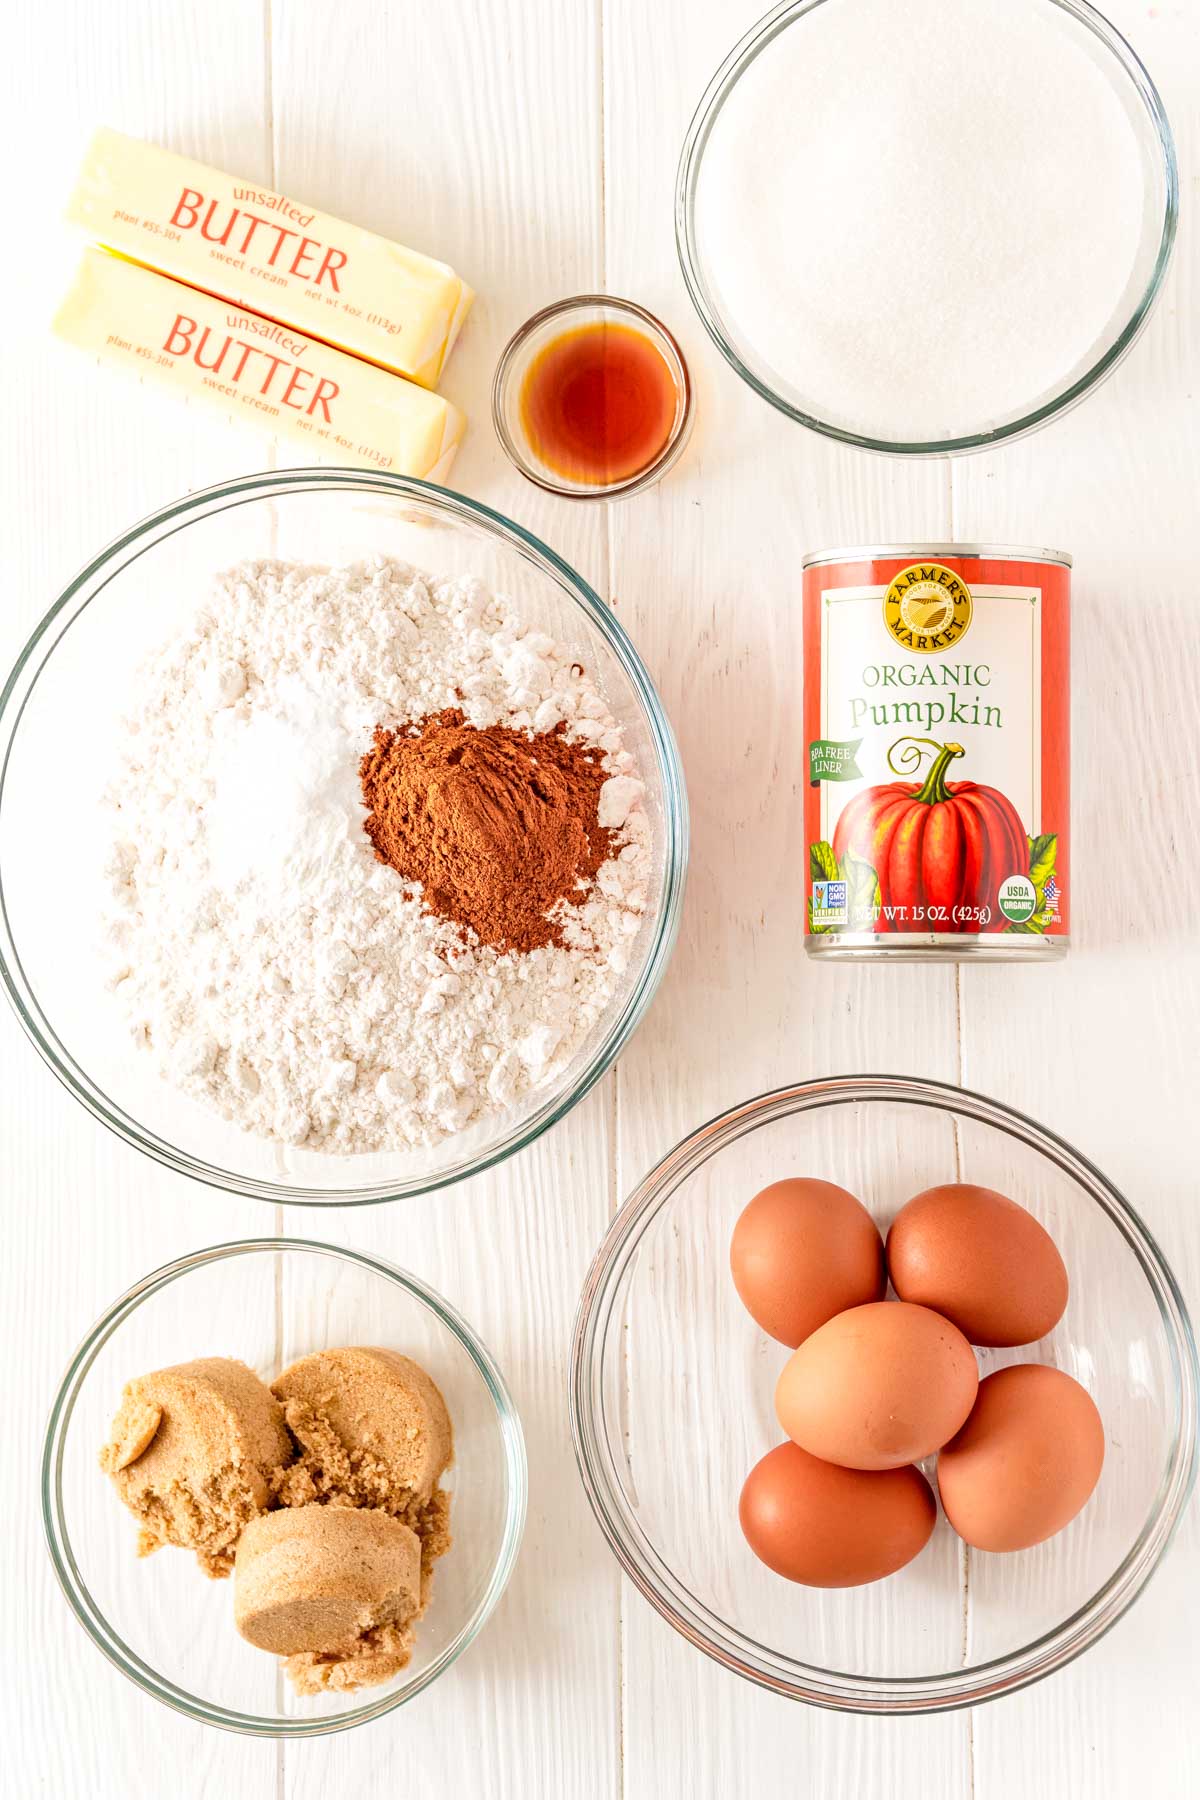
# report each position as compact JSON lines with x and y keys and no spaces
{"x":533,"y":144}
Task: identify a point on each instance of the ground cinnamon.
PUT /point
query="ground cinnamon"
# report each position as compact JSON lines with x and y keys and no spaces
{"x":496,"y":824}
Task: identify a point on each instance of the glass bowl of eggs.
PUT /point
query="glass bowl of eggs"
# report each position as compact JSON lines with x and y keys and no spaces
{"x":957,"y":1414}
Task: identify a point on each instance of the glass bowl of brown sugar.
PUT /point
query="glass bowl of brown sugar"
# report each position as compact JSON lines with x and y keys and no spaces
{"x":353,"y":1072}
{"x":269,"y":1302}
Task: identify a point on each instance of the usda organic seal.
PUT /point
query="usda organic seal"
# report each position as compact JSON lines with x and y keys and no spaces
{"x":1017,"y":899}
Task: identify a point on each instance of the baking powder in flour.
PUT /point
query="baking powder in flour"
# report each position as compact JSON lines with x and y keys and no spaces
{"x":272,"y":967}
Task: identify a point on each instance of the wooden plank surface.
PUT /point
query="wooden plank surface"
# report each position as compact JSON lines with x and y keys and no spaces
{"x":533,"y":144}
{"x":85,"y":1218}
{"x":1100,"y":1050}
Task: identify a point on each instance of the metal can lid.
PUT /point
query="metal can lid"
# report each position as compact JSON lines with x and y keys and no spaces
{"x":878,"y":552}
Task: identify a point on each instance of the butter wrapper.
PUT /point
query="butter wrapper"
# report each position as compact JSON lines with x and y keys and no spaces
{"x":262,"y":249}
{"x":204,"y":349}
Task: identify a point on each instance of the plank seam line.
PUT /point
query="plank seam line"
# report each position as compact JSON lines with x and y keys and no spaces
{"x":277,"y":1211}
{"x":961,"y":1075}
{"x":614,"y":1196}
{"x":602,"y":123}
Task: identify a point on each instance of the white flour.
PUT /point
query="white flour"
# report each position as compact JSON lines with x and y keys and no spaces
{"x":272,"y":967}
{"x":921,"y":214}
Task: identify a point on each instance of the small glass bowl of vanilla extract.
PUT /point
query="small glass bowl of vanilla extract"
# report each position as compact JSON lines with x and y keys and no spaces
{"x":592,"y":398}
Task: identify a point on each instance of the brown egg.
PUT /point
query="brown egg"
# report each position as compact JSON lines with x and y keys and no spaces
{"x":1026,"y":1460}
{"x":878,"y":1386}
{"x":801,"y":1251}
{"x":980,"y":1260}
{"x":830,"y":1527}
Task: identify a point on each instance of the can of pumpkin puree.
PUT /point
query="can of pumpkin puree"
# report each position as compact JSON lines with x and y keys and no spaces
{"x":937,"y":718}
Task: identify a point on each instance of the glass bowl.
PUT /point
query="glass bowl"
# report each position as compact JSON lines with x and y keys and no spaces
{"x":69,"y":688}
{"x":268,"y":1301}
{"x":672,"y":1386}
{"x":1160,"y":179}
{"x":516,"y":360}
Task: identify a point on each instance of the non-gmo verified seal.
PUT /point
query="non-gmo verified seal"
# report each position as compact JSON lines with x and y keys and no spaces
{"x":1017,"y":899}
{"x":829,"y":903}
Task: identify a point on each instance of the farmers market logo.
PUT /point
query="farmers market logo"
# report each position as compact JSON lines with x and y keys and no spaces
{"x":927,"y":608}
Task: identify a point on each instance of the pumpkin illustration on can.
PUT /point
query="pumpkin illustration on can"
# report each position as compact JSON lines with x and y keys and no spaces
{"x":940,"y":849}
{"x":937,"y":721}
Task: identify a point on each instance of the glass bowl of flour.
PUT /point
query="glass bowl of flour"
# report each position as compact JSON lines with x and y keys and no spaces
{"x":927,"y":228}
{"x":195,"y":929}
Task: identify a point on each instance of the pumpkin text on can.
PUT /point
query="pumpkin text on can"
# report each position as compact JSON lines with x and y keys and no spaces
{"x":937,"y":719}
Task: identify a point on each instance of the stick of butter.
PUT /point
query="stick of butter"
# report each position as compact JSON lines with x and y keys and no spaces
{"x":298,"y":387}
{"x":264,"y":250}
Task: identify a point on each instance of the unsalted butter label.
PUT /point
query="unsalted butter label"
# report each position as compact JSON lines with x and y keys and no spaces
{"x":249,"y":366}
{"x":248,"y":244}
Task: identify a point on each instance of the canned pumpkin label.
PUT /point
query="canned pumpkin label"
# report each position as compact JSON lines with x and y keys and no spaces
{"x":937,"y":724}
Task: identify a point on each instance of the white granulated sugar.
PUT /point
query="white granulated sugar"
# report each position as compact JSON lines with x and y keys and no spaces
{"x":270,"y":965}
{"x":920,"y":215}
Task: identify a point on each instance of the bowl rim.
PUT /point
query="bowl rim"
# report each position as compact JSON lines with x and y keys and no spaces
{"x":57,"y":1533}
{"x":667,"y":345}
{"x":271,"y":485}
{"x":743,"y":54}
{"x":832,"y":1689}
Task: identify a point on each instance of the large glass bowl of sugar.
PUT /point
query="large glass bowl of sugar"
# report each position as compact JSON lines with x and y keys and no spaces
{"x":62,"y":730}
{"x":926,"y":228}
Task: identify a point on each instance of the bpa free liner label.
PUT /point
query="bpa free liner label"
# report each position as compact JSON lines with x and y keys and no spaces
{"x":829,"y":760}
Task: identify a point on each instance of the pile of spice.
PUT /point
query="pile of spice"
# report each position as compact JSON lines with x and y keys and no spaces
{"x":351,"y":989}
{"x":499,"y":827}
